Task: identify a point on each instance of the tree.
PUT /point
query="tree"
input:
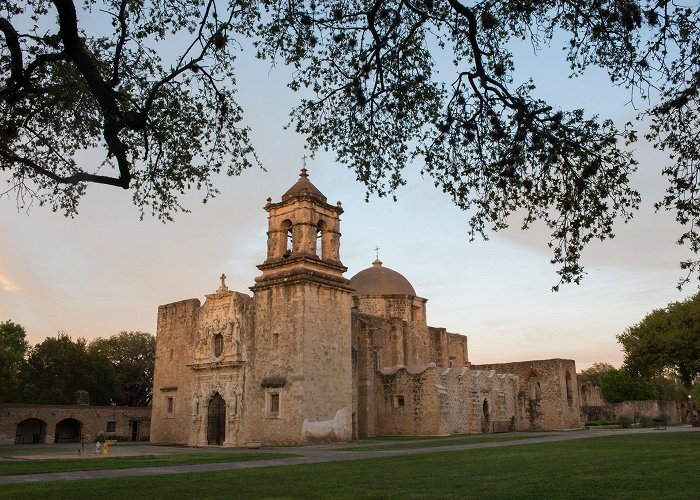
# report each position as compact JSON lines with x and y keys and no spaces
{"x":666,"y":339}
{"x":132,"y":355}
{"x":13,"y":347}
{"x":164,"y":126}
{"x":371,"y":94}
{"x":620,"y":385}
{"x":58,"y":367}
{"x":594,"y":374}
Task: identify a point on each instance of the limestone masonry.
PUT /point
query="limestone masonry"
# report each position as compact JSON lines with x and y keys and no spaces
{"x":315,"y":357}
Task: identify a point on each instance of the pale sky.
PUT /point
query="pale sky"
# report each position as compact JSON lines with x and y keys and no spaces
{"x":105,"y":271}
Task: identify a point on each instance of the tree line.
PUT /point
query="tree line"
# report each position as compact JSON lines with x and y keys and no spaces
{"x":115,"y":370}
{"x":662,"y":357}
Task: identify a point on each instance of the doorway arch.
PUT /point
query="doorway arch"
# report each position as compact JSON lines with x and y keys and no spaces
{"x":67,"y":431}
{"x":216,"y":420}
{"x":30,"y":431}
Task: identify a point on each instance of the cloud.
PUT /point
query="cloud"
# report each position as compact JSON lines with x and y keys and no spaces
{"x":7,"y":285}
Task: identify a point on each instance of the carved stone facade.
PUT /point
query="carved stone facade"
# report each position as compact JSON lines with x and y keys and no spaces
{"x":314,"y":357}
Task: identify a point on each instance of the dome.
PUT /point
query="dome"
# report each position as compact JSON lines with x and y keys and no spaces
{"x":378,"y":280}
{"x":303,"y":187}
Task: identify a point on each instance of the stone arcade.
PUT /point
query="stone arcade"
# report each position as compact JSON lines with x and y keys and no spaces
{"x":314,"y":357}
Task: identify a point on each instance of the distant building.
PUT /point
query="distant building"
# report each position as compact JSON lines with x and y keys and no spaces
{"x":24,"y":423}
{"x":314,"y":357}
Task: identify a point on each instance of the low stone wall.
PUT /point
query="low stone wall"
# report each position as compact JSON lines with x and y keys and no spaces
{"x":677,"y":412}
{"x":22,"y":423}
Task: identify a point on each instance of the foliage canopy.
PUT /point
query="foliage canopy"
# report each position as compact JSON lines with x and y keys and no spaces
{"x":372,"y":94}
{"x":114,"y":370}
{"x":620,"y":385}
{"x":132,"y":355}
{"x":13,"y":346}
{"x":666,"y":339}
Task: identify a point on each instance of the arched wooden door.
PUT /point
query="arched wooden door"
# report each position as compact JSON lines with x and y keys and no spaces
{"x":216,"y":420}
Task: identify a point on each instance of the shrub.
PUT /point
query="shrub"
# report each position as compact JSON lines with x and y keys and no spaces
{"x":645,"y":421}
{"x":112,"y":437}
{"x":624,"y":422}
{"x":596,"y":423}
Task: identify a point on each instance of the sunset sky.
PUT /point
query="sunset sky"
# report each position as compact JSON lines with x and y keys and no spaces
{"x":105,"y":271}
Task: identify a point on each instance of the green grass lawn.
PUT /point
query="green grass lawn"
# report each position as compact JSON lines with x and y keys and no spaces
{"x":11,"y":467}
{"x":425,"y":442}
{"x":652,"y":465}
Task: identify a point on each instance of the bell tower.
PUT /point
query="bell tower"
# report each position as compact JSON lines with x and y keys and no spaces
{"x":299,"y":385}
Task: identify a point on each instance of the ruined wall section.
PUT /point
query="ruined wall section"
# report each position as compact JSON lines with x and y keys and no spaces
{"x":172,"y":379}
{"x":457,"y":350}
{"x":408,"y":401}
{"x":591,"y":395}
{"x":428,"y":400}
{"x":548,"y":396}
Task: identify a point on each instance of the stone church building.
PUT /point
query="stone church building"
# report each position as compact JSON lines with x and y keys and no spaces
{"x":314,"y":357}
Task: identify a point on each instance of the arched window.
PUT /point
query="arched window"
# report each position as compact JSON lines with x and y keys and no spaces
{"x":289,"y":240}
{"x":569,"y":391}
{"x":535,"y":388}
{"x":320,"y":231}
{"x":485,"y":410}
{"x":218,"y":344}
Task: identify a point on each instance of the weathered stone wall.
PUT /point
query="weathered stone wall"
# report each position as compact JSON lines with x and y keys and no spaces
{"x":172,"y":381}
{"x":327,"y":364}
{"x":404,"y":307}
{"x":548,"y":396}
{"x":93,"y":421}
{"x":408,"y":401}
{"x":277,"y":356}
{"x":366,"y":337}
{"x":677,"y":412}
{"x":430,"y":400}
{"x":457,"y":350}
{"x":591,"y":395}
{"x":377,"y":343}
{"x":303,"y":337}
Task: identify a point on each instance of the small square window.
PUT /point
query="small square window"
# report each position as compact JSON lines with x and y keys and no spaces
{"x":170,"y":405}
{"x":111,"y":426}
{"x":399,"y":402}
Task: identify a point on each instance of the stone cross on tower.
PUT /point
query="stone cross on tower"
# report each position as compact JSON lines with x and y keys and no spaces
{"x":223,"y":287}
